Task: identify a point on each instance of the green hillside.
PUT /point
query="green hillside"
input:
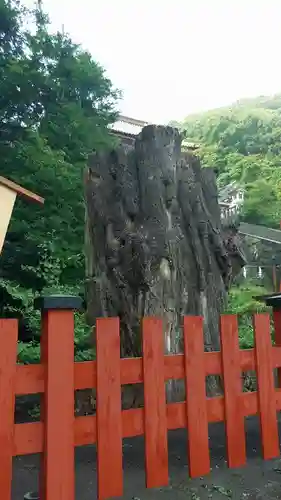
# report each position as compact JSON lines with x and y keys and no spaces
{"x":243,"y":142}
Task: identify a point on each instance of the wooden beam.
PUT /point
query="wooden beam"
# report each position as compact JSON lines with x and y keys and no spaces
{"x":8,"y":193}
{"x":20,"y":190}
{"x":7,"y":201}
{"x":260,"y":232}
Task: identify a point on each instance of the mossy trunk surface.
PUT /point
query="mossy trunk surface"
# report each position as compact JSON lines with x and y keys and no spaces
{"x":154,"y":240}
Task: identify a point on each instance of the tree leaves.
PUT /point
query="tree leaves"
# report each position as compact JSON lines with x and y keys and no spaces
{"x":244,"y":144}
{"x":55,"y":106}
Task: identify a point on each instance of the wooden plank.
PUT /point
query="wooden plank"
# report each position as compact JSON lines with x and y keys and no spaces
{"x":266,"y":391}
{"x":109,"y":421}
{"x":277,"y":338}
{"x":196,"y":401}
{"x":155,"y":421}
{"x":30,"y":378}
{"x":44,"y":364}
{"x":17,"y":189}
{"x":57,"y":476}
{"x":28,"y":438}
{"x":7,"y":201}
{"x":8,"y":358}
{"x":276,"y":356}
{"x":234,"y":417}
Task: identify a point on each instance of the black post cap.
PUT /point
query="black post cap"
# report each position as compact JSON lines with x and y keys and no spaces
{"x":273,"y":300}
{"x":62,"y":302}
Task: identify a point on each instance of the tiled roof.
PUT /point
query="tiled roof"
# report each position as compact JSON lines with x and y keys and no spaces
{"x":132,"y":127}
{"x":229,"y":191}
{"x":126,"y":125}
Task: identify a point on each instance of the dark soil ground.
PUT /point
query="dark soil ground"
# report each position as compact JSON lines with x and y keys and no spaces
{"x":258,"y":480}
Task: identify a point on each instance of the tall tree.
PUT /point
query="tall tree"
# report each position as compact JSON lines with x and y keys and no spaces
{"x":155,"y":245}
{"x":55,"y":105}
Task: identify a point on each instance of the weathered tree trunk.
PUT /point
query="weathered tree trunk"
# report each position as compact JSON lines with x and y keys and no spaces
{"x":154,"y":242}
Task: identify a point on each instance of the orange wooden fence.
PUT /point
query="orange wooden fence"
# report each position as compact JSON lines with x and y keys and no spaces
{"x":57,"y":377}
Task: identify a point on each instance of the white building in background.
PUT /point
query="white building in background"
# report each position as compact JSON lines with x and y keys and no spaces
{"x":231,"y":198}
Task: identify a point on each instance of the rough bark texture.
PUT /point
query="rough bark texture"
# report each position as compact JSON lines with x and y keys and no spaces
{"x":154,"y":241}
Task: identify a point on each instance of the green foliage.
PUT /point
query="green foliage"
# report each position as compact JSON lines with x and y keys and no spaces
{"x":29,"y":352}
{"x":242,"y":303}
{"x":244,"y":143}
{"x":55,"y":107}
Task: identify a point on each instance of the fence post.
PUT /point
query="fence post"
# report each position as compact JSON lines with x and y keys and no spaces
{"x":109,"y":416}
{"x":57,"y":407}
{"x":196,"y":400}
{"x":266,"y":389}
{"x":155,"y":413}
{"x":8,"y":359}
{"x":274,"y":301}
{"x":277,"y":336}
{"x":233,"y":403}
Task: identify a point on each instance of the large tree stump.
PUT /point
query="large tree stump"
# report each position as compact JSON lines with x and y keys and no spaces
{"x":154,"y":241}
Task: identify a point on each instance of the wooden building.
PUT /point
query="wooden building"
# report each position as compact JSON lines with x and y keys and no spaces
{"x":127,"y":129}
{"x":8,"y":194}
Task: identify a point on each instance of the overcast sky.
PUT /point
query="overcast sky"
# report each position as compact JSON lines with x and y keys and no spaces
{"x":173,"y":58}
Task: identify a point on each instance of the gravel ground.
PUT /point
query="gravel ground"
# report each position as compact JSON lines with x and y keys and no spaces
{"x":258,"y":480}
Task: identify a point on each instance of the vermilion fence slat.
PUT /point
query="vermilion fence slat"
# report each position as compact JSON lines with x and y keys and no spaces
{"x":196,"y":402}
{"x":29,"y":378}
{"x":155,"y":419}
{"x":57,"y":476}
{"x":8,"y":357}
{"x":109,"y":417}
{"x":234,"y":414}
{"x":266,"y":391}
{"x":277,"y":338}
{"x":57,"y":435}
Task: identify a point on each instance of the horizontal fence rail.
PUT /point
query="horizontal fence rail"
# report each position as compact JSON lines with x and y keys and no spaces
{"x":58,"y":376}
